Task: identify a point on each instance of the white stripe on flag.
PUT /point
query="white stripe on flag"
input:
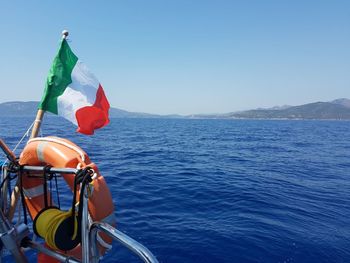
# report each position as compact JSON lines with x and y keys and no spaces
{"x":80,"y":93}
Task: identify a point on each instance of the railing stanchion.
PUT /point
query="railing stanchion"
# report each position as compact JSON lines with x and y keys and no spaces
{"x":85,"y":228}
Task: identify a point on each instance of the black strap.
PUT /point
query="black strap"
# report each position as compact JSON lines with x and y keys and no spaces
{"x":87,"y":179}
{"x":57,"y":193}
{"x":22,"y":195}
{"x":50,"y":192}
{"x":7,"y":178}
{"x":46,"y":172}
{"x":83,"y":176}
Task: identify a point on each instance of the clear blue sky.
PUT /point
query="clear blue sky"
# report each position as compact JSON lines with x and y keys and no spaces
{"x":184,"y":56}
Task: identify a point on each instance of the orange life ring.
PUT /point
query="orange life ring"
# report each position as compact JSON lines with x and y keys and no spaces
{"x":62,"y":153}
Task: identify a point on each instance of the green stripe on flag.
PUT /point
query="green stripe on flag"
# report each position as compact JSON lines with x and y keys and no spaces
{"x":59,"y":77}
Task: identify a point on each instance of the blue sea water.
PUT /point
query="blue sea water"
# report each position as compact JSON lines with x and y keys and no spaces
{"x":221,"y":190}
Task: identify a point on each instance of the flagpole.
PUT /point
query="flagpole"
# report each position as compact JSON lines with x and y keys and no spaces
{"x":40,"y":113}
{"x":37,"y":123}
{"x":35,"y":131}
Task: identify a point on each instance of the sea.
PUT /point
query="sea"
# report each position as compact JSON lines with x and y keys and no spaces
{"x":210,"y":190}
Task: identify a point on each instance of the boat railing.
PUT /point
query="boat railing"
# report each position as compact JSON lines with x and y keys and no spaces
{"x":141,"y":251}
{"x":93,"y":256}
{"x":16,"y":237}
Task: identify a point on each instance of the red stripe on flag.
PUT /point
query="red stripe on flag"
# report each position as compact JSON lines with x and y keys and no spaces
{"x":93,"y":117}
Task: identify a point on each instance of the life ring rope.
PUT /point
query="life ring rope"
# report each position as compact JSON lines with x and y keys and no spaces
{"x":51,"y":139}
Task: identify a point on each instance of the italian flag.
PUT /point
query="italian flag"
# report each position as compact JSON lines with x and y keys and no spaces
{"x":74,"y":93}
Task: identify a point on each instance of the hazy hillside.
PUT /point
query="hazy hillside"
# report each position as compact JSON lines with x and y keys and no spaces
{"x":29,"y":108}
{"x":19,"y":108}
{"x":336,"y":110}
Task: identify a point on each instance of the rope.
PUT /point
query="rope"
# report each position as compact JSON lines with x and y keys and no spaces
{"x":8,"y":177}
{"x":58,"y":141}
{"x":82,"y":177}
{"x":26,"y":134}
{"x":6,"y":180}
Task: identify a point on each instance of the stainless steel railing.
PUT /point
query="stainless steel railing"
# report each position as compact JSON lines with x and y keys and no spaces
{"x":12,"y":236}
{"x":141,"y":251}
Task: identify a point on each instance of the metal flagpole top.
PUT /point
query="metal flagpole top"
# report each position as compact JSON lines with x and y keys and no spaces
{"x":65,"y":34}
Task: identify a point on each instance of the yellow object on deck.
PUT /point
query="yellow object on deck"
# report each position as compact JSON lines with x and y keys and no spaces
{"x":57,"y":228}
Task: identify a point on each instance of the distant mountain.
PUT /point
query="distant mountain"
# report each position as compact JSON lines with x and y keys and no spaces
{"x":29,"y":108}
{"x":318,"y":110}
{"x":334,"y":110}
{"x":283,"y":107}
{"x":118,"y":113}
{"x":19,"y":108}
{"x":343,"y":101}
